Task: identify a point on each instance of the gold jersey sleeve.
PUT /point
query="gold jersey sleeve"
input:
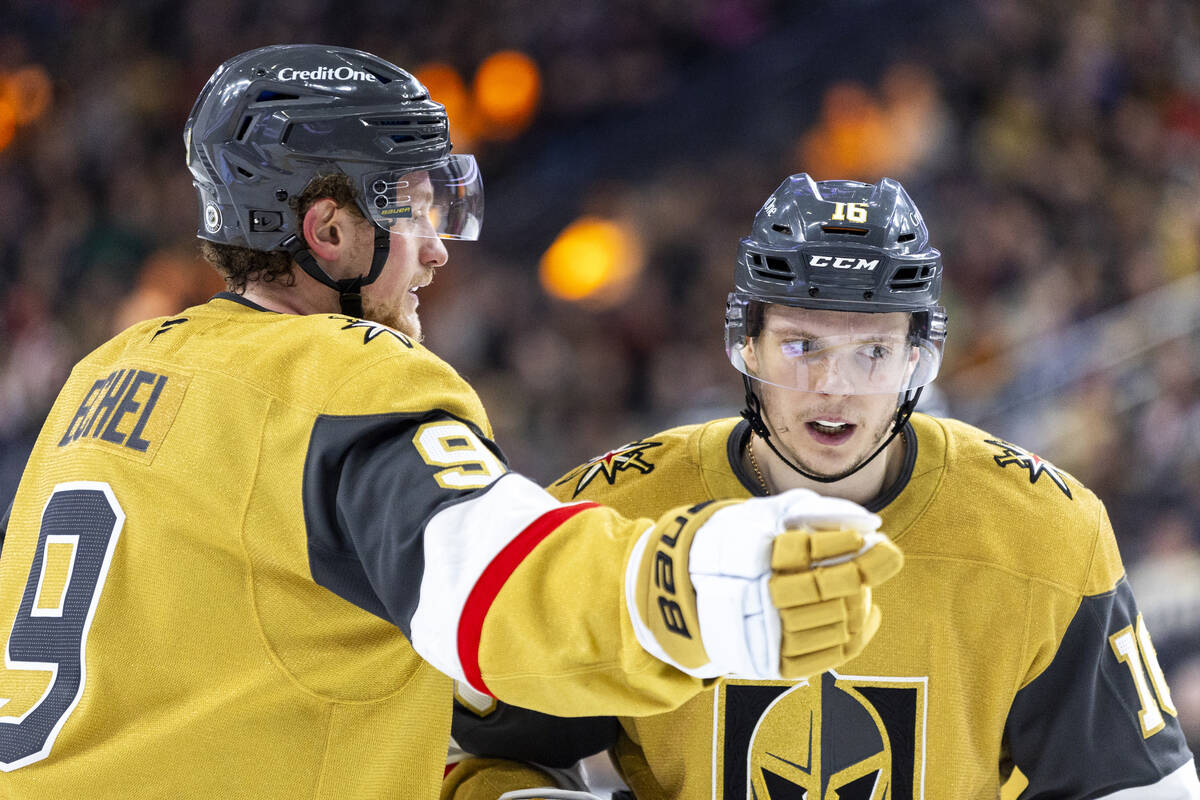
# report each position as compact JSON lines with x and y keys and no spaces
{"x":1008,"y":647}
{"x":248,"y":550}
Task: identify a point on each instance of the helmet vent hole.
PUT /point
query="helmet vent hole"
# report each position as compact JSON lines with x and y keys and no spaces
{"x":778,"y":265}
{"x":403,"y":137}
{"x":916,"y":278}
{"x":208,"y":166}
{"x":245,"y":126}
{"x":906,"y":237}
{"x":784,"y":229}
{"x":245,"y":173}
{"x":845,"y":229}
{"x":267,"y":96}
{"x":771,"y":268}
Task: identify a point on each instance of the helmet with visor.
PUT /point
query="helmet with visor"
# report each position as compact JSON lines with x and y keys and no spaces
{"x":836,"y":291}
{"x":270,"y":120}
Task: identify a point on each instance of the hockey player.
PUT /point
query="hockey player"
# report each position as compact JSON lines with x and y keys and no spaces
{"x":1011,"y":647}
{"x":257,"y":539}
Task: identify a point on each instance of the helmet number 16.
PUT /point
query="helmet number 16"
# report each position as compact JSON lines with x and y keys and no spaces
{"x":853,"y":212}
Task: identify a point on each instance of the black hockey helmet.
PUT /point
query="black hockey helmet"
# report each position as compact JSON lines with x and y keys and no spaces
{"x":271,"y":119}
{"x":840,"y":246}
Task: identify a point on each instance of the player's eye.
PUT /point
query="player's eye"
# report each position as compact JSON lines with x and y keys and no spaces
{"x":876,"y":351}
{"x":797,"y":348}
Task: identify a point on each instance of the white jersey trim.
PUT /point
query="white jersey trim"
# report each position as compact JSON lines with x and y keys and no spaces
{"x":460,"y":541}
{"x":1182,"y":784}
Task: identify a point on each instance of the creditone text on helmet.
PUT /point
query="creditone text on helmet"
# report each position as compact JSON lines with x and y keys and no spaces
{"x":325,"y":74}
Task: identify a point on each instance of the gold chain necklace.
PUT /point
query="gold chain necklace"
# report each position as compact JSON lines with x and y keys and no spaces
{"x":754,"y":463}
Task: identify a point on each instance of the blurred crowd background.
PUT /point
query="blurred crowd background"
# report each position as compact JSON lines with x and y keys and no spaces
{"x":1054,"y":149}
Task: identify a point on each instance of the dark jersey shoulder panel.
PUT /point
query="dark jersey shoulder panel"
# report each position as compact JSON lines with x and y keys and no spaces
{"x":520,"y":734}
{"x":4,"y":522}
{"x":1075,"y":730}
{"x":368,"y":495}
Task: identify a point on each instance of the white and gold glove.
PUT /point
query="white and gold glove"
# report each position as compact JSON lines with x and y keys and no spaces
{"x":772,"y":587}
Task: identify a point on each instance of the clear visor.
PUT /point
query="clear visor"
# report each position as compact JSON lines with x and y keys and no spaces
{"x":445,"y":201}
{"x":835,"y":352}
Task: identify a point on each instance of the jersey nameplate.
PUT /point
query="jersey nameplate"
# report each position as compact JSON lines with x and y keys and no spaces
{"x":129,"y":408}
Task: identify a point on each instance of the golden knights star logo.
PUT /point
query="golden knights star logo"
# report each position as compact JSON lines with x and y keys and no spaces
{"x":1011,"y":454}
{"x":372,"y":330}
{"x":631,"y":456}
{"x":834,"y":737}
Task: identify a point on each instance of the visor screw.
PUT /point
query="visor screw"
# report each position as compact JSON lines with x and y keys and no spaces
{"x":281,"y":195}
{"x":868,"y":294}
{"x":260,"y":72}
{"x":813,"y":291}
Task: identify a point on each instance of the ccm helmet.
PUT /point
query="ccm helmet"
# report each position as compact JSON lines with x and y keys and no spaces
{"x":839,"y":246}
{"x":271,"y":119}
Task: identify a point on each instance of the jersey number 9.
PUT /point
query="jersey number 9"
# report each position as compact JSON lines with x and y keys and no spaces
{"x":468,"y":462}
{"x":80,"y":527}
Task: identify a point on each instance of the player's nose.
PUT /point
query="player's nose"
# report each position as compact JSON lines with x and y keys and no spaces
{"x":433,"y":252}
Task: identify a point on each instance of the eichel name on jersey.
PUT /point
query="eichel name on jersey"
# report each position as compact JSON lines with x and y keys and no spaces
{"x":1010,"y":638}
{"x":290,"y":464}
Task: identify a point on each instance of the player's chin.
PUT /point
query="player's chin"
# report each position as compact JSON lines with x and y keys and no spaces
{"x":409,"y":325}
{"x":831,"y":459}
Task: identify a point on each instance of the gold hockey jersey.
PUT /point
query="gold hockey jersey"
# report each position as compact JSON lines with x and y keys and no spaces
{"x":249,"y":549}
{"x":1010,"y":638}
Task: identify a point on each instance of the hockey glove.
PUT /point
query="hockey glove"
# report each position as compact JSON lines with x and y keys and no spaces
{"x":711,"y":592}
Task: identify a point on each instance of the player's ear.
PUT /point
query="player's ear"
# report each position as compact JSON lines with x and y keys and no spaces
{"x":750,"y":354}
{"x":321,"y":229}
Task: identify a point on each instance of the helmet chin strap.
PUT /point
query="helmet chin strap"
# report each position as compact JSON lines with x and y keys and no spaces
{"x":349,"y":289}
{"x":753,"y":414}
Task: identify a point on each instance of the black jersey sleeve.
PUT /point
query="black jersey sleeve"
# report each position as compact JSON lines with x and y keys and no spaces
{"x":1100,"y":718}
{"x":369,"y":494}
{"x":4,"y":523}
{"x":519,"y":734}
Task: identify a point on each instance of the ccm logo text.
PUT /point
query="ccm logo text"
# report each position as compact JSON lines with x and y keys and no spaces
{"x":843,"y":262}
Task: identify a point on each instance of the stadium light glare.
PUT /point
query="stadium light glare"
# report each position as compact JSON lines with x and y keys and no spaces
{"x":592,"y":260}
{"x":508,"y":86}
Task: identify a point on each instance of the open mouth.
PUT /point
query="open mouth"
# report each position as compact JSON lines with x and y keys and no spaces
{"x":830,"y":431}
{"x":413,"y":290}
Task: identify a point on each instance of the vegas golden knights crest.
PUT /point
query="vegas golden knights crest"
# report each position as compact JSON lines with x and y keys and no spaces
{"x":832,"y":738}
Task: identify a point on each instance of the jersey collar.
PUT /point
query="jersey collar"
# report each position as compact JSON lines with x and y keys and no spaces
{"x":237,"y":298}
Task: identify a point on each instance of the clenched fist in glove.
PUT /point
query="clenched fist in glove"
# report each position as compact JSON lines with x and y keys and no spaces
{"x":772,"y":587}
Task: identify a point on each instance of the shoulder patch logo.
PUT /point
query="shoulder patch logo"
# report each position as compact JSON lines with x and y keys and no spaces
{"x":372,"y":330}
{"x":168,"y":325}
{"x":631,"y":456}
{"x":1011,"y":454}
